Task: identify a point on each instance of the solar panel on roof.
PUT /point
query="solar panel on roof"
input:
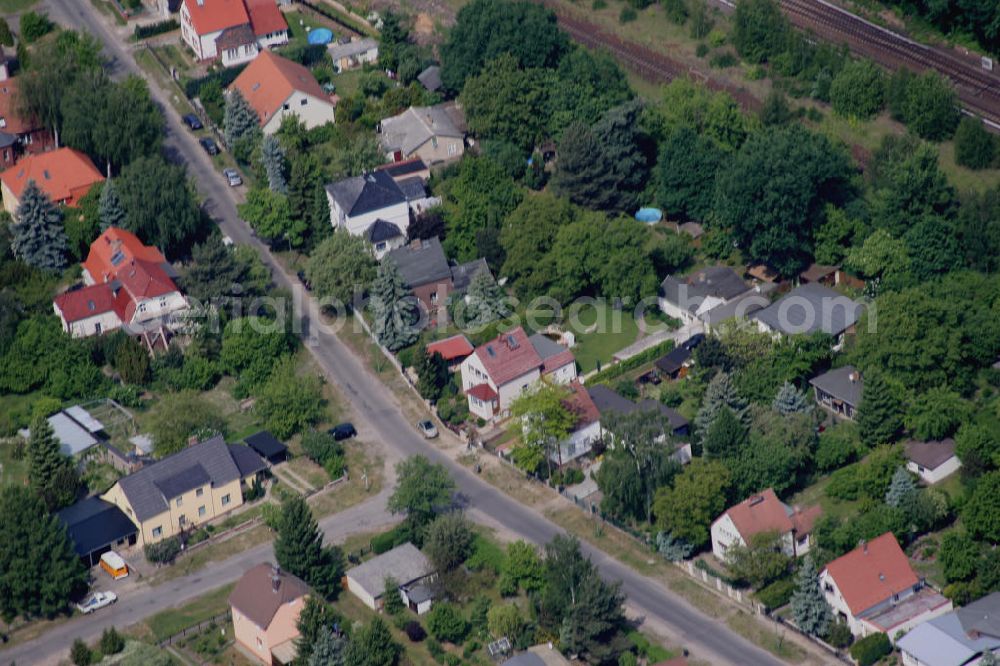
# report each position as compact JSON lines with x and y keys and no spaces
{"x":117,"y":258}
{"x":489,"y":350}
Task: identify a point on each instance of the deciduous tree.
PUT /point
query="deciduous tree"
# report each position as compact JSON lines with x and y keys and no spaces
{"x":179,"y":416}
{"x":448,"y":541}
{"x":697,"y":496}
{"x":685,"y":172}
{"x":341,"y":268}
{"x":422,"y":489}
{"x":858,"y":90}
{"x":975,"y":147}
{"x":289,"y":402}
{"x":542,"y":422}
{"x":759,"y":30}
{"x":981,"y":513}
{"x":759,"y":562}
{"x":160,"y":206}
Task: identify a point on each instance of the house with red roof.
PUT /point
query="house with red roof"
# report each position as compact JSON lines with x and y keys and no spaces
{"x":454,"y":350}
{"x":276,"y":87}
{"x":19,"y":133}
{"x":64,"y":175}
{"x":874,"y":589}
{"x":233,"y":31}
{"x":500,"y":370}
{"x":759,"y":514}
{"x":126,"y":284}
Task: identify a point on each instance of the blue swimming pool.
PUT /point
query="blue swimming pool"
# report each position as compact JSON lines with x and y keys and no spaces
{"x":649,"y":215}
{"x":320,"y":36}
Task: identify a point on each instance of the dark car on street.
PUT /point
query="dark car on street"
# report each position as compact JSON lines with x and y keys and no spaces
{"x":693,"y":341}
{"x":192,"y":121}
{"x":343,"y":431}
{"x":209,"y":146}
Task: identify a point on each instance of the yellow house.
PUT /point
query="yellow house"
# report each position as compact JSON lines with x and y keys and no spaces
{"x":186,"y":489}
{"x":266,"y":603}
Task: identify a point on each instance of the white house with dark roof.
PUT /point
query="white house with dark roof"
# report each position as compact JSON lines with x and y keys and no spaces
{"x":810,"y":308}
{"x":958,"y":638}
{"x":690,"y":298}
{"x":356,"y":203}
{"x":839,"y":391}
{"x":384,"y":237}
{"x":188,"y":488}
{"x":432,"y":133}
{"x":932,"y":460}
{"x":500,"y":370}
{"x":607,"y":401}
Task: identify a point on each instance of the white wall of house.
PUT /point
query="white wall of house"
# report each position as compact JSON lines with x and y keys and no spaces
{"x":474,"y":373}
{"x":724,"y":536}
{"x":438,"y":149}
{"x":513,"y":389}
{"x":272,"y":39}
{"x":673,"y":310}
{"x":932,"y":476}
{"x":398,"y":214}
{"x":383,"y":248}
{"x":312,"y":111}
{"x":579,"y":443}
{"x":833,"y":597}
{"x":161,"y":306}
{"x":564,"y":374}
{"x":358,"y":590}
{"x":96,"y":325}
{"x":239,"y":55}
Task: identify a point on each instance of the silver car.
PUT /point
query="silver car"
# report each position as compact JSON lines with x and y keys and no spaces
{"x":427,"y":429}
{"x":233,"y":176}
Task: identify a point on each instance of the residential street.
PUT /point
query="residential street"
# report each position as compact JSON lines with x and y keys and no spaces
{"x":375,"y":406}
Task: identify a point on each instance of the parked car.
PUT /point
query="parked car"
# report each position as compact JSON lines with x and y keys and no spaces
{"x":427,"y":429}
{"x":343,"y":431}
{"x":96,"y":601}
{"x":233,"y":176}
{"x":209,"y":146}
{"x":693,"y":341}
{"x":192,"y":121}
{"x":304,"y":280}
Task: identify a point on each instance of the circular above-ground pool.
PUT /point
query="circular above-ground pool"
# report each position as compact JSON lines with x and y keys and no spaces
{"x":649,"y":215}
{"x":320,"y":36}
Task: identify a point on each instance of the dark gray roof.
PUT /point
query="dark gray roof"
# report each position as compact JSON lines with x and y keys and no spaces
{"x":982,"y":616}
{"x":380,"y":230}
{"x":525,"y":659}
{"x":418,"y":594}
{"x":673,"y":417}
{"x":419,"y":124}
{"x":404,"y":563}
{"x":247,"y":460}
{"x":606,"y":400}
{"x":93,"y":523}
{"x":184,"y":480}
{"x":367,"y":193}
{"x":404,"y":168}
{"x":545,"y":347}
{"x":717,"y":281}
{"x":837,"y":382}
{"x":412,"y":188}
{"x":811,"y":308}
{"x":424,"y":264}
{"x":931,"y":454}
{"x":430,"y":78}
{"x":264,"y":443}
{"x":673,"y":361}
{"x":462,"y":274}
{"x":144,"y":489}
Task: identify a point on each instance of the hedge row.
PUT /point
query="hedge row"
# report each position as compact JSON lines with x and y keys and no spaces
{"x":152,"y":29}
{"x":651,"y":354}
{"x":870,"y":649}
{"x":777,"y":594}
{"x":223,"y":77}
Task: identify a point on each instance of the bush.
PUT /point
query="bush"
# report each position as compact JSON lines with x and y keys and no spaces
{"x":415,"y":631}
{"x":80,"y":654}
{"x":723,"y":60}
{"x":597,"y":5}
{"x":320,"y":446}
{"x":222,"y":78}
{"x":335,"y":466}
{"x":437,"y":652}
{"x":870,"y":649}
{"x":486,"y":555}
{"x":839,"y":635}
{"x":158,"y":28}
{"x":777,"y":594}
{"x":162,"y":551}
{"x":34,"y":26}
{"x":627,"y":15}
{"x":383,"y":543}
{"x":975,"y":148}
{"x":701,"y":50}
{"x":111,"y":642}
{"x":446,"y":623}
{"x":271,"y":513}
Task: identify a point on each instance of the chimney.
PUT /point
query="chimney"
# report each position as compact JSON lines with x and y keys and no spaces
{"x":275,"y":578}
{"x":854,"y":377}
{"x":416,"y":244}
{"x":864,"y":546}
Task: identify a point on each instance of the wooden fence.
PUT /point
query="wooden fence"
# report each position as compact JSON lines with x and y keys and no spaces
{"x":195,"y":628}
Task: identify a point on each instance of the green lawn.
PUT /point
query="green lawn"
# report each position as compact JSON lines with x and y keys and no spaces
{"x":297,"y":24}
{"x":15,"y":6}
{"x":816,"y":494}
{"x":347,"y":82}
{"x":600,"y":332}
{"x":169,"y":622}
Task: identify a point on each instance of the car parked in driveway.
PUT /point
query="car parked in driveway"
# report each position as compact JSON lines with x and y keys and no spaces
{"x":192,"y":121}
{"x":209,"y":145}
{"x":233,"y":176}
{"x":96,"y":601}
{"x":427,"y":429}
{"x":343,"y":431}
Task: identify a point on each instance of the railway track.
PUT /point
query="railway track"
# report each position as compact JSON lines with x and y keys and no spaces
{"x":977,"y":89}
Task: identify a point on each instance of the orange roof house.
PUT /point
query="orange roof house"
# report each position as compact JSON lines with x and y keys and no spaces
{"x":18,"y":133}
{"x":276,"y":87}
{"x":233,"y":30}
{"x":64,"y":175}
{"x":874,"y":589}
{"x":761,"y":513}
{"x":127,"y":284}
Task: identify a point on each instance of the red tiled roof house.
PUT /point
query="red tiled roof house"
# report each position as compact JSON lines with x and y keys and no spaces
{"x":502,"y":369}
{"x":126,"y":284}
{"x":874,"y":589}
{"x":266,"y":604}
{"x":64,"y":175}
{"x":454,"y":350}
{"x":18,"y":133}
{"x":276,"y":87}
{"x":762,"y":513}
{"x":233,"y":31}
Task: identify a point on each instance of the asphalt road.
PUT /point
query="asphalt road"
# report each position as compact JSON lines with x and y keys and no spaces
{"x":374,"y":405}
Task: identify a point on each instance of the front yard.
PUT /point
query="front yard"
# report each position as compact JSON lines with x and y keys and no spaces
{"x":600,"y":332}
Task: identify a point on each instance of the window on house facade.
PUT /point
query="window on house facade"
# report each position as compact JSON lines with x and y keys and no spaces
{"x":180,"y":501}
{"x":142,"y":307}
{"x":452,"y":148}
{"x":199,"y":492}
{"x":225,"y":500}
{"x":303,"y":102}
{"x":380,"y":246}
{"x":157,"y":532}
{"x":201,"y":510}
{"x":434,"y":297}
{"x":285,"y":106}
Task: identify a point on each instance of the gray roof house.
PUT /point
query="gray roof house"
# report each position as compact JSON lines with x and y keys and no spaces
{"x":430,"y":78}
{"x":433,"y":133}
{"x":356,"y":203}
{"x":958,"y":638}
{"x":384,"y":237}
{"x":461,"y":274}
{"x":405,"y":564}
{"x":691,"y":297}
{"x":74,"y":428}
{"x":839,"y":390}
{"x":607,"y":400}
{"x":810,"y":308}
{"x":421,"y":262}
{"x":150,"y":489}
{"x":354,"y":53}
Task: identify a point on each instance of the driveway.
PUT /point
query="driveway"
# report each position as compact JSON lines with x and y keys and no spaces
{"x":374,"y":404}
